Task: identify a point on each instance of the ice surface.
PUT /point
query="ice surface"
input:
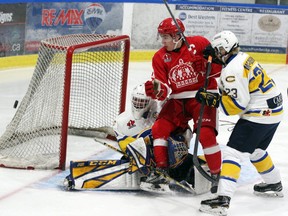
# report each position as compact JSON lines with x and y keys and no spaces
{"x":38,"y":192}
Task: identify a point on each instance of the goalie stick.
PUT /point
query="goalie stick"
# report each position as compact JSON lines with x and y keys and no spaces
{"x":111,"y":147}
{"x":195,"y":159}
{"x":175,"y":183}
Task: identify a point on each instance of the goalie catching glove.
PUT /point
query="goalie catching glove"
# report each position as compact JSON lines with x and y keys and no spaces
{"x":208,"y":98}
{"x":156,"y":89}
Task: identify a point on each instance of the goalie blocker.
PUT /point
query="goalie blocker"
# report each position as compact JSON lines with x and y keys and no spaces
{"x":125,"y":174}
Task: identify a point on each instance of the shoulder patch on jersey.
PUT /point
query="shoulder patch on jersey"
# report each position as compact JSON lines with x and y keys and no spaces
{"x":248,"y":63}
{"x":131,"y":123}
{"x":167,"y":57}
{"x":230,"y":79}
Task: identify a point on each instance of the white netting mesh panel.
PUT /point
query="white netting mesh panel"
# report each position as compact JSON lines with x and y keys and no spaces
{"x":33,"y":137}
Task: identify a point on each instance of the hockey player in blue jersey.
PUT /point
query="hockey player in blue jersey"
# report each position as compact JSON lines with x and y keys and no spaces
{"x":246,"y":90}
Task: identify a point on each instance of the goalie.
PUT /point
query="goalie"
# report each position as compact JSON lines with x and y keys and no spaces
{"x":133,"y":132}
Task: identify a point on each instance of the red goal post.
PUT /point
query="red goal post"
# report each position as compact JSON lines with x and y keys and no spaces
{"x":78,"y":87}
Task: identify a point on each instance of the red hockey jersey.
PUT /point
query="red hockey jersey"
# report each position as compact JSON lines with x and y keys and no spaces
{"x":181,"y":69}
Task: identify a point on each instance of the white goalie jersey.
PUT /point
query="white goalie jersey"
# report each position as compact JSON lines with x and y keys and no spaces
{"x":127,"y":125}
{"x":243,"y":82}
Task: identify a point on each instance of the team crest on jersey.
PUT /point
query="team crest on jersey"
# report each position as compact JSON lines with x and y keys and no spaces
{"x":266,"y":112}
{"x":230,"y":79}
{"x":131,"y":124}
{"x":183,"y":74}
{"x":167,"y":57}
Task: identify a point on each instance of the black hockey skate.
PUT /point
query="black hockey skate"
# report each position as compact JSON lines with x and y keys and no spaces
{"x":155,"y":182}
{"x":160,"y":182}
{"x":269,"y":190}
{"x":216,"y":206}
{"x":157,"y":176}
{"x":182,"y":187}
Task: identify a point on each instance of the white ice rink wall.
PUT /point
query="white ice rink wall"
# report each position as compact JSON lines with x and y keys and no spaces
{"x":262,"y":29}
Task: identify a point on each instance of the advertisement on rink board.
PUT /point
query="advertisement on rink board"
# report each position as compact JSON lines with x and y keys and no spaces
{"x":12,"y":29}
{"x":23,"y":26}
{"x":56,"y":19}
{"x":258,"y":29}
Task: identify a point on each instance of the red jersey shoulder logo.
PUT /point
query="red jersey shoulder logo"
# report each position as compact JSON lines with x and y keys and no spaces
{"x":183,"y":74}
{"x":167,"y":57}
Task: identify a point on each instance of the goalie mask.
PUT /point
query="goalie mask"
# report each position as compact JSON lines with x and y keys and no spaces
{"x":140,"y":102}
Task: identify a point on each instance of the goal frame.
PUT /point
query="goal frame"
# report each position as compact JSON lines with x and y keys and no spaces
{"x":67,"y":84}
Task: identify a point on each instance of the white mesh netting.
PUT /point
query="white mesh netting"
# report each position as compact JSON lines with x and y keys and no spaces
{"x":34,"y":137}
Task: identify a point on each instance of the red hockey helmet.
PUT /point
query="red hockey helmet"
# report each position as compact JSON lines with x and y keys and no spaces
{"x":167,"y":26}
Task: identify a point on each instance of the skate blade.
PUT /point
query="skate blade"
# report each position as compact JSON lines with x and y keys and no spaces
{"x":181,"y":189}
{"x":218,"y":211}
{"x":162,"y":189}
{"x":269,"y":194}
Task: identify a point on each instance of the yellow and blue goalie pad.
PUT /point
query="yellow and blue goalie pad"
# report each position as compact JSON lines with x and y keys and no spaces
{"x":140,"y":155}
{"x":124,"y":140}
{"x":141,"y":158}
{"x":177,"y":150}
{"x":103,"y":175}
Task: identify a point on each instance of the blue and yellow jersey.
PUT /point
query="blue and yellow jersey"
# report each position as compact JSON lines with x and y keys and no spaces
{"x":249,"y":92}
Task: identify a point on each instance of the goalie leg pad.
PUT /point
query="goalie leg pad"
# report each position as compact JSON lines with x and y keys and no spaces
{"x":103,"y":175}
{"x":201,"y":185}
{"x":177,"y":150}
{"x":140,"y":156}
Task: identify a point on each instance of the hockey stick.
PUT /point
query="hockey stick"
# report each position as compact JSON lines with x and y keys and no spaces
{"x":111,"y":147}
{"x":177,"y":26}
{"x":171,"y":180}
{"x":195,"y":158}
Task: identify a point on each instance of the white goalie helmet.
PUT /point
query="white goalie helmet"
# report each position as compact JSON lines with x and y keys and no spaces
{"x":225,"y":39}
{"x":141,"y":103}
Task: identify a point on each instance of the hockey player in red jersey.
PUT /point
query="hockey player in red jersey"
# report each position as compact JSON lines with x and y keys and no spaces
{"x":178,"y":72}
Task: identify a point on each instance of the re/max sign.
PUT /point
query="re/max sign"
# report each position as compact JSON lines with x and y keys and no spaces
{"x":70,"y":17}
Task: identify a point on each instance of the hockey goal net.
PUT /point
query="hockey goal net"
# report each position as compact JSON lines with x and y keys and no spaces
{"x":78,"y":87}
